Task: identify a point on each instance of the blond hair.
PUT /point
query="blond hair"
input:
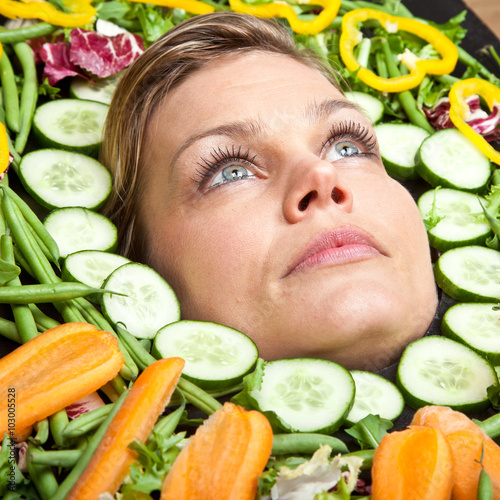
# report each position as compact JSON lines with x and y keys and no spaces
{"x":184,"y":49}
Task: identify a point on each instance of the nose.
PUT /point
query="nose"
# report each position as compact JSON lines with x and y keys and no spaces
{"x":315,"y":185}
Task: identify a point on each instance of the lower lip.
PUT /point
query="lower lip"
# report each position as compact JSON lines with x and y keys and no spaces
{"x":338,"y":255}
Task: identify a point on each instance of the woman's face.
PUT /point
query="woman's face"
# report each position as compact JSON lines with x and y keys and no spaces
{"x":267,"y":208}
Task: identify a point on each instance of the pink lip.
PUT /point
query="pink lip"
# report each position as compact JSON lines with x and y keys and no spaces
{"x":341,"y":245}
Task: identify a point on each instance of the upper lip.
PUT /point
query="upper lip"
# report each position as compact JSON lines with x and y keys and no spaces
{"x":334,"y":238}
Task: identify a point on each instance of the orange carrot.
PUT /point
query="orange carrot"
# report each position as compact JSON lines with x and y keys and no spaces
{"x":414,"y":464}
{"x":466,"y":442}
{"x":53,"y":370}
{"x":226,"y":455}
{"x":134,"y":420}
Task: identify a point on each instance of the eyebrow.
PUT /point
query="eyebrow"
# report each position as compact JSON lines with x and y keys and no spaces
{"x":314,"y":113}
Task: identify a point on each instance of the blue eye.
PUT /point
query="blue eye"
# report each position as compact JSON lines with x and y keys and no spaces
{"x":231,"y":173}
{"x":342,"y":149}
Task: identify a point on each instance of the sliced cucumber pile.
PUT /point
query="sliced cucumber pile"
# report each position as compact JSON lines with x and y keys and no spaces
{"x":72,"y":124}
{"x":372,"y":107}
{"x":470,"y":274}
{"x":462,"y":218}
{"x":476,"y":325}
{"x":149,"y":304}
{"x":216,"y":356}
{"x":399,"y":143}
{"x":448,"y":158}
{"x":77,"y":228}
{"x":438,"y":371}
{"x":375,"y":395}
{"x":305,"y":394}
{"x":56,"y":178}
{"x":100,"y":91}
{"x":91,"y":267}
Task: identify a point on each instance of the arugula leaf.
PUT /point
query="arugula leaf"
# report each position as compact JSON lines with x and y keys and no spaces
{"x":432,"y":217}
{"x":369,"y":431}
{"x":48,"y":90}
{"x":493,"y":392}
{"x":153,"y":23}
{"x":113,"y":10}
{"x":8,"y":271}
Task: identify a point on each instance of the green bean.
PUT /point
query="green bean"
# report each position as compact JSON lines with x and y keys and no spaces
{"x":58,"y":421}
{"x":42,"y":431}
{"x":198,"y":397}
{"x":308,"y":443}
{"x":42,"y":477}
{"x":44,"y":293}
{"x":86,"y":422}
{"x":59,"y":458}
{"x":366,"y":455}
{"x":29,"y":94}
{"x":405,"y":98}
{"x":40,"y":266}
{"x":484,"y":487}
{"x":87,"y":454}
{"x":32,"y":219}
{"x":23,"y":317}
{"x":118,"y":384}
{"x":141,"y":357}
{"x":43,"y":321}
{"x":27,"y":32}
{"x":10,"y":95}
{"x":23,"y":262}
{"x":490,"y":426}
{"x":8,"y":329}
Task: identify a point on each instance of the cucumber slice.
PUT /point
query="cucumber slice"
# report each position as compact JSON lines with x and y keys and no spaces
{"x":438,"y":371}
{"x":100,"y":90}
{"x":375,"y":395}
{"x":71,"y":124}
{"x":476,"y":325}
{"x":77,"y":228}
{"x":470,"y":274}
{"x":150,"y":302}
{"x":217,"y":357}
{"x":448,"y":158}
{"x":463,"y":221}
{"x":399,"y":143}
{"x":57,"y":178}
{"x":305,"y":394}
{"x":91,"y":267}
{"x":372,"y":107}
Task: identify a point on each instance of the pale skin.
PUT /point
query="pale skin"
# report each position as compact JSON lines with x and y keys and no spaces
{"x":255,"y":164}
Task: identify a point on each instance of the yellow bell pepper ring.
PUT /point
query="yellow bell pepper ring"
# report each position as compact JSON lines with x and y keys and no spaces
{"x":352,"y":36}
{"x":192,"y":6}
{"x":459,"y":110}
{"x":282,"y":9}
{"x":81,"y":13}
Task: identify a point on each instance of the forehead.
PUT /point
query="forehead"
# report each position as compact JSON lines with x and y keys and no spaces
{"x":253,"y":85}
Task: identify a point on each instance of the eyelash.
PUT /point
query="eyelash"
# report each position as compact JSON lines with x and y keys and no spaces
{"x":354,"y":131}
{"x":219,"y":158}
{"x":223,"y":156}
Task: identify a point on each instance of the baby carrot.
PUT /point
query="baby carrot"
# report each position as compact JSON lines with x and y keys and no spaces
{"x":413,"y":464}
{"x":134,"y":420}
{"x":53,"y":370}
{"x":226,"y":455}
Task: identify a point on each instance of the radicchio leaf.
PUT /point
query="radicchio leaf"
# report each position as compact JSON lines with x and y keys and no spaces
{"x":103,"y":55}
{"x":486,"y":125}
{"x":84,"y":405}
{"x":58,"y":64}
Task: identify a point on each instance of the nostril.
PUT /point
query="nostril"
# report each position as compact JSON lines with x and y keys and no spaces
{"x":337,"y":195}
{"x":304,"y":202}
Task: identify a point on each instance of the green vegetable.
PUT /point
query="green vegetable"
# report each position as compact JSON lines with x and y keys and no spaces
{"x":26,"y":33}
{"x":86,"y":422}
{"x":9,"y":90}
{"x":29,"y":93}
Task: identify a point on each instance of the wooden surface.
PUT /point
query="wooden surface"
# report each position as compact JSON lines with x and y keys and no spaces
{"x":488,"y":11}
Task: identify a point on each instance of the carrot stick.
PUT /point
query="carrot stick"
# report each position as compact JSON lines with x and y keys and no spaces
{"x":226,"y":455}
{"x":134,"y":420}
{"x":53,"y":370}
{"x":412,"y":464}
{"x":466,"y":441}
